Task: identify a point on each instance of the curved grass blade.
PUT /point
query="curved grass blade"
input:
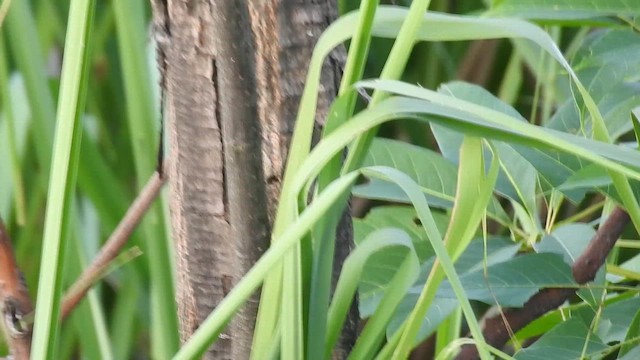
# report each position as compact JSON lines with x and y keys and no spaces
{"x":565,"y":9}
{"x":215,"y":322}
{"x":435,"y":175}
{"x":443,"y":266}
{"x":479,"y":121}
{"x":405,"y":275}
{"x":618,"y":175}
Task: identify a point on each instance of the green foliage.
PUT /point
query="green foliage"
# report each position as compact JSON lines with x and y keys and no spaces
{"x":108,"y":325}
{"x":455,"y":224}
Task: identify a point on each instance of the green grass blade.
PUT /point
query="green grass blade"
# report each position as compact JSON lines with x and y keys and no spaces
{"x":88,"y":318}
{"x":215,"y":322}
{"x":141,"y":117}
{"x":448,"y":331}
{"x":374,"y":332}
{"x":509,"y":129}
{"x":291,"y":322}
{"x":26,"y":50}
{"x":62,"y":185}
{"x":268,"y":318}
{"x":443,"y":266}
{"x":123,"y":317}
{"x":324,"y":239}
{"x":7,"y":110}
{"x":478,"y":121}
{"x":472,"y":197}
{"x":393,"y":68}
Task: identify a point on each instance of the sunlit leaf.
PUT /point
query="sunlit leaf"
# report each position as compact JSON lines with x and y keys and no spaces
{"x":435,"y":175}
{"x":513,"y":282}
{"x":565,"y":9}
{"x":565,"y":341}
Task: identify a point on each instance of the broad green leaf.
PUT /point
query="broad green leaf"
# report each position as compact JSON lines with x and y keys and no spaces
{"x":632,"y":264}
{"x":480,"y":253}
{"x":352,"y":270}
{"x":631,"y":338}
{"x":430,"y":170}
{"x":566,"y":341}
{"x":401,"y":217}
{"x":590,"y":177}
{"x":633,"y":354}
{"x":619,"y":319}
{"x":513,"y":282}
{"x":564,"y":9}
{"x":636,"y":126}
{"x":435,"y":175}
{"x":402,"y":342}
{"x":554,"y":167}
{"x":594,"y":178}
{"x":473,"y":259}
{"x":611,"y":320}
{"x":616,"y":47}
{"x":439,"y":310}
{"x":570,"y":241}
{"x":607,"y":64}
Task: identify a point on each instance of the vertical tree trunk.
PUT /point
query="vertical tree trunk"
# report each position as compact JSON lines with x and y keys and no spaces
{"x":234,"y":73}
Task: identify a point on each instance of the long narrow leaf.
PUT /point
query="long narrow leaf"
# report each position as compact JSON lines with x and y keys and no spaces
{"x":444,"y":262}
{"x":216,"y":321}
{"x":63,"y":177}
{"x":381,"y":240}
{"x":142,"y":121}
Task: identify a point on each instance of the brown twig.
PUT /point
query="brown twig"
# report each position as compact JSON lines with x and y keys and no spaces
{"x":15,"y":303}
{"x":113,"y":246}
{"x":584,"y":270}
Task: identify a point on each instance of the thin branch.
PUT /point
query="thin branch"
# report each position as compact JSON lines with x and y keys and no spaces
{"x":15,"y":303}
{"x":114,"y":244}
{"x":584,"y":270}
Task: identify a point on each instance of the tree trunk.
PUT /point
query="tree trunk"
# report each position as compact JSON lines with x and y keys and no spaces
{"x":234,"y":71}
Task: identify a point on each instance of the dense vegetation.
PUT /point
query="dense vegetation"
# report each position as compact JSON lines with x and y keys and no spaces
{"x":504,"y":168}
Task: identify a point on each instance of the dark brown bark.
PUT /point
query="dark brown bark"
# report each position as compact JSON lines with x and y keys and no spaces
{"x":497,"y":330}
{"x":235,"y":71}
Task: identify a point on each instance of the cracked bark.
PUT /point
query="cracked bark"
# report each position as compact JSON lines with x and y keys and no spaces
{"x":235,"y":71}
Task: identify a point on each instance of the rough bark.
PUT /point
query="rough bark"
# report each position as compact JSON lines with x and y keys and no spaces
{"x":234,"y":73}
